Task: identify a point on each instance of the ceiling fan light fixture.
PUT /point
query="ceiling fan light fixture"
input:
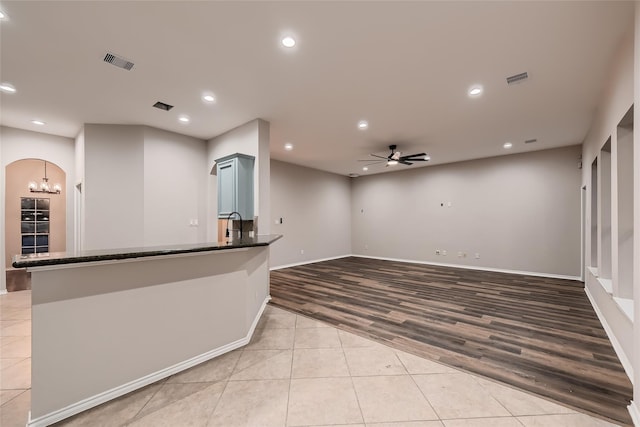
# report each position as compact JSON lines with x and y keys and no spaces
{"x":507,"y":145}
{"x":363,"y":124}
{"x":392,"y":162}
{"x":365,"y":168}
{"x":427,"y":158}
{"x":288,"y":146}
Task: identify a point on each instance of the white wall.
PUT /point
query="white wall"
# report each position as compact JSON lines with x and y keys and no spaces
{"x":113,"y":186}
{"x":609,"y":304}
{"x":251,"y":138}
{"x":635,"y":404}
{"x":175,"y":186}
{"x":518,"y":212}
{"x":16,"y":144}
{"x":315,"y":208}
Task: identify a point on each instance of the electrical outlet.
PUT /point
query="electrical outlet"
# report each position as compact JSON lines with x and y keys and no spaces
{"x":444,"y":252}
{"x":301,"y":251}
{"x":437,"y":251}
{"x":366,"y":247}
{"x":477,"y":255}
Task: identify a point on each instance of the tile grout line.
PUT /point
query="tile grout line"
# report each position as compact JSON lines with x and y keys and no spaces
{"x":293,"y":355}
{"x":473,"y":377}
{"x":353,"y":384}
{"x":419,"y":389}
{"x":226,"y":383}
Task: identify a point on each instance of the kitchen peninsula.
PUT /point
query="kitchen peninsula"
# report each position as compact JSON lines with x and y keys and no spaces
{"x":105,"y":323}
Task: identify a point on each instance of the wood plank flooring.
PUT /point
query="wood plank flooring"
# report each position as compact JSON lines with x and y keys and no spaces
{"x":537,"y":334}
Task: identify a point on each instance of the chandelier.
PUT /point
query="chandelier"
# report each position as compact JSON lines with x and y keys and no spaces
{"x":44,"y":186}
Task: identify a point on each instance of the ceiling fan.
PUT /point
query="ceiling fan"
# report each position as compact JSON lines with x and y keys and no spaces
{"x":396,"y":157}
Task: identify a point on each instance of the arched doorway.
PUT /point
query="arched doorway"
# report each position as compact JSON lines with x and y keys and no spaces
{"x":35,"y":221}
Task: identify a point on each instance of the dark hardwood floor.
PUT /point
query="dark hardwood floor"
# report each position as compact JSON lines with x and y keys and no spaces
{"x":537,"y":334}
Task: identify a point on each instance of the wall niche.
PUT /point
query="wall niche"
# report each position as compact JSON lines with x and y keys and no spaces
{"x":624,"y":282}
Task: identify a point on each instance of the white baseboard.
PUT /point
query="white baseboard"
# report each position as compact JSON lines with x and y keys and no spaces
{"x":3,"y":291}
{"x":295,"y":264}
{"x":626,"y":363}
{"x":473,"y":267}
{"x":108,"y":395}
{"x":634,"y":411}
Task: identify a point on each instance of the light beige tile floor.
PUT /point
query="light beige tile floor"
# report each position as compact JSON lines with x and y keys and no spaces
{"x":295,"y":372}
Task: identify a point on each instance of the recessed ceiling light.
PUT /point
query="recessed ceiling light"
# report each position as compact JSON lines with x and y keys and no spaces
{"x":3,"y":15}
{"x":363,"y":124}
{"x":208,"y":98}
{"x":475,"y":90}
{"x":365,"y":168}
{"x":288,"y":146}
{"x":507,"y":145}
{"x":184,"y":119}
{"x":38,"y":122}
{"x":288,"y":41}
{"x":7,"y":87}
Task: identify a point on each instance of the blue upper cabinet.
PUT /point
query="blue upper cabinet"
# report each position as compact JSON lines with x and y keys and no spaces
{"x":235,"y":185}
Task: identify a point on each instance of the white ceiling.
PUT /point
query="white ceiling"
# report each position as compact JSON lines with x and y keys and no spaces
{"x":403,"y":66}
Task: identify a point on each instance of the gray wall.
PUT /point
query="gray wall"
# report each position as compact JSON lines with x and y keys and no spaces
{"x":141,"y":186}
{"x":113,"y":186}
{"x":175,"y":188}
{"x":519,"y":212}
{"x":315,"y":209}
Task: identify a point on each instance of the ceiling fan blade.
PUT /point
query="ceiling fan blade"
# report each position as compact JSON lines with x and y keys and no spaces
{"x":404,"y":162}
{"x":408,"y":157}
{"x":380,"y":157}
{"x":371,"y":160}
{"x":371,"y":164}
{"x":415,"y":160}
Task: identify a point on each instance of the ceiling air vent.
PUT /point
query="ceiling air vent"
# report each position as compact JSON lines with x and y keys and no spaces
{"x":516,"y":78}
{"x":530,"y":141}
{"x":163,"y":106}
{"x":118,"y":61}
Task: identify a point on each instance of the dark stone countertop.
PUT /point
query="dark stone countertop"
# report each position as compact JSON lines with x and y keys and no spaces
{"x":63,"y":258}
